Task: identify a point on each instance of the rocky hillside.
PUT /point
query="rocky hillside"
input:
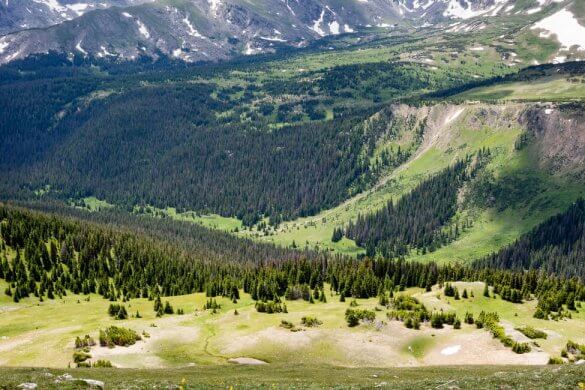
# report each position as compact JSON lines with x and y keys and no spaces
{"x":196,"y":30}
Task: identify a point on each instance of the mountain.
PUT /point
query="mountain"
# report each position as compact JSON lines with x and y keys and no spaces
{"x":17,"y":15}
{"x":200,"y":30}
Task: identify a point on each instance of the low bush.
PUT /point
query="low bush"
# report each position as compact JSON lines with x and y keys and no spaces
{"x":286,"y":324}
{"x":103,"y":364}
{"x":80,"y":356}
{"x":354,"y":316}
{"x":555,"y":360}
{"x":521,"y":347}
{"x":310,"y":321}
{"x":532,"y":333}
{"x":118,"y":336}
{"x":271,"y":307}
{"x":84,"y":342}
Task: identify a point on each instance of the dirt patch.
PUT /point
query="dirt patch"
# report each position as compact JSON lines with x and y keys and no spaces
{"x":143,"y":353}
{"x":247,"y":361}
{"x":277,"y":336}
{"x":478,"y":347}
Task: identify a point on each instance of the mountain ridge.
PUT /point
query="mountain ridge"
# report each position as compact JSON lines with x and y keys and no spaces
{"x":202,"y":30}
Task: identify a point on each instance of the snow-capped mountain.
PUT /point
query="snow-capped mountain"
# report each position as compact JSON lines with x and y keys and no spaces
{"x":195,"y":30}
{"x":16,"y":15}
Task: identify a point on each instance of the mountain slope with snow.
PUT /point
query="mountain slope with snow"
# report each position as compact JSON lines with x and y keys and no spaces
{"x":198,"y":30}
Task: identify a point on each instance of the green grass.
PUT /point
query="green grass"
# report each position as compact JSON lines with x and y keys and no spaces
{"x":29,"y":329}
{"x":418,"y":345}
{"x":212,"y":221}
{"x":545,"y":89}
{"x":92,"y":203}
{"x":309,"y":377}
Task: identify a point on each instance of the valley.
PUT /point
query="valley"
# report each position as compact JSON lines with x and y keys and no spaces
{"x":292,"y":194}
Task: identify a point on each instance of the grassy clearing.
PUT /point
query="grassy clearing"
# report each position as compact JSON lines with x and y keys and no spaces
{"x":199,"y":338}
{"x":546,"y":89}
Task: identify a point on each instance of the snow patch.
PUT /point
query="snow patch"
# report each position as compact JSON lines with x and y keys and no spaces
{"x":463,"y":9}
{"x":452,"y":350}
{"x":334,"y":27}
{"x":565,"y":27}
{"x":317,"y":24}
{"x":142,"y":28}
{"x":192,"y":31}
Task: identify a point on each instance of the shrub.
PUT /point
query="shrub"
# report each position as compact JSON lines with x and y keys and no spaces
{"x":354,"y":316}
{"x":521,"y":347}
{"x":103,"y":364}
{"x":532,"y":333}
{"x":440,"y":318}
{"x":80,"y":356}
{"x":271,"y":307}
{"x":436,"y":321}
{"x":383,"y":299}
{"x":469,"y":318}
{"x":118,"y":336}
{"x":310,"y":321}
{"x":555,"y":360}
{"x":286,"y":324}
{"x":87,"y":341}
{"x":576,"y":350}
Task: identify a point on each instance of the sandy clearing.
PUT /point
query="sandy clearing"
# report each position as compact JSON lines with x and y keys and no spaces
{"x":247,"y":361}
{"x":478,"y":347}
{"x":143,"y":353}
{"x":277,"y":336}
{"x":516,"y":335}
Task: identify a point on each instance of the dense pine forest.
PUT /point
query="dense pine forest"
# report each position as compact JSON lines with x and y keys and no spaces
{"x":280,"y":147}
{"x":557,"y":246}
{"x":416,"y":220}
{"x":46,"y":256}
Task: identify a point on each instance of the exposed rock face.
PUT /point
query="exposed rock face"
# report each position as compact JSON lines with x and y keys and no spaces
{"x":559,"y":133}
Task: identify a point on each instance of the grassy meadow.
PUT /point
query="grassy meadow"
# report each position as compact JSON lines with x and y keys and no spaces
{"x":199,"y":338}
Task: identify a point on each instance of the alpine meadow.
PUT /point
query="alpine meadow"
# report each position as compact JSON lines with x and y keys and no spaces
{"x":244,"y":194}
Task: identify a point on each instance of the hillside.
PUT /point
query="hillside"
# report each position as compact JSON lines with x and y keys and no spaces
{"x":286,"y":308}
{"x":292,"y":194}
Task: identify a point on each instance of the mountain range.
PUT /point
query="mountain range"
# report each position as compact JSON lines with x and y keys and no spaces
{"x":201,"y":30}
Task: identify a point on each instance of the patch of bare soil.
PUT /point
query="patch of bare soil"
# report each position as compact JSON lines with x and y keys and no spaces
{"x":143,"y":353}
{"x":247,"y":361}
{"x":476,"y":348}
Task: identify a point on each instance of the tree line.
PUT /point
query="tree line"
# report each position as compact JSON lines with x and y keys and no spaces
{"x":47,"y":256}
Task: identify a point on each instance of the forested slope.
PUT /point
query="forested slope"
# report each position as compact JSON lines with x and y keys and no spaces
{"x":557,"y":246}
{"x":47,"y":256}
